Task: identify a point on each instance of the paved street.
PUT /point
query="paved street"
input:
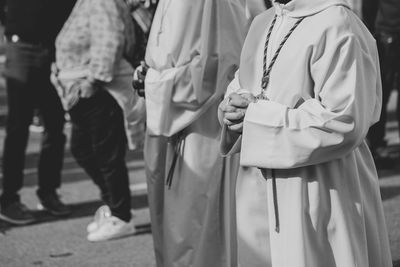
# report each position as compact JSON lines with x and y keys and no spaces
{"x":62,"y":242}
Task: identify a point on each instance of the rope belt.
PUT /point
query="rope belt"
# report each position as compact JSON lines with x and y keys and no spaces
{"x":177,"y":142}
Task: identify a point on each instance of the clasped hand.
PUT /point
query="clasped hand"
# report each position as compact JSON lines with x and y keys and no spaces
{"x":234,"y":109}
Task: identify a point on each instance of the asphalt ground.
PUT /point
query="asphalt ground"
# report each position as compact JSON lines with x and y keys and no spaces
{"x":55,"y":241}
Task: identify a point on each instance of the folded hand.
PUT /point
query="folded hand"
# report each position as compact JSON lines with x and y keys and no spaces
{"x":234,"y":109}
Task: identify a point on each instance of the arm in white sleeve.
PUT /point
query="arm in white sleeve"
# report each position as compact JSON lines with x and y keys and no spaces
{"x":230,"y":141}
{"x":326,"y":127}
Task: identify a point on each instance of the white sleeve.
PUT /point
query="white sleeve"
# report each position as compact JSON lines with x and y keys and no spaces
{"x":230,"y":142}
{"x":326,"y":127}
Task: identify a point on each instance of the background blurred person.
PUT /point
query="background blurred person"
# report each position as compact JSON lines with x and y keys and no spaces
{"x":387,"y":34}
{"x":31,"y":27}
{"x":93,"y":76}
{"x":192,"y":53}
{"x":369,"y":9}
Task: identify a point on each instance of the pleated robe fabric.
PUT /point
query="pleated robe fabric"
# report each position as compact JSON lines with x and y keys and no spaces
{"x":324,"y":93}
{"x":193,"y":52}
{"x":252,"y":219}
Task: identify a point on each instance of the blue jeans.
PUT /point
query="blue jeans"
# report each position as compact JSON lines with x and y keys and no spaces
{"x":99,"y":143}
{"x":27,"y":74}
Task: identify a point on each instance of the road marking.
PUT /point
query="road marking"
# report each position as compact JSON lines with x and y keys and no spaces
{"x":79,"y":170}
{"x":138,"y":188}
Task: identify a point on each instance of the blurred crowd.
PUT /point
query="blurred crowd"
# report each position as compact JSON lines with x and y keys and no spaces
{"x":112,"y":68}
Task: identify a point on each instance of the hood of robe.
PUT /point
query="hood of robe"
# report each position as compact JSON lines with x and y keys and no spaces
{"x":304,"y":8}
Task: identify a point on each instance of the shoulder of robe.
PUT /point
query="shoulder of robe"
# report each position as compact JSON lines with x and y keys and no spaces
{"x":263,"y":19}
{"x":338,"y":23}
{"x":261,"y":22}
{"x":333,"y":20}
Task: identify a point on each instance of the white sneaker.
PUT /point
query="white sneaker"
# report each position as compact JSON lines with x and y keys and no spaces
{"x":100,"y":215}
{"x":112,"y":228}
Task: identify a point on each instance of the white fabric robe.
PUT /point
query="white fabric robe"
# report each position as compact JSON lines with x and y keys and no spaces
{"x":324,"y":93}
{"x":193,"y":52}
{"x":252,"y":219}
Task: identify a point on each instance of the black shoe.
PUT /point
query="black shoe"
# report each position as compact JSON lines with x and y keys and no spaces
{"x":16,"y":213}
{"x":53,"y":204}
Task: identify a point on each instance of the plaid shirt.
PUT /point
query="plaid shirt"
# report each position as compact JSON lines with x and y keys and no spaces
{"x":96,"y":36}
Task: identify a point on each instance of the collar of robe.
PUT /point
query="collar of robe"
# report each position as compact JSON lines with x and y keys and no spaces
{"x":305,"y":8}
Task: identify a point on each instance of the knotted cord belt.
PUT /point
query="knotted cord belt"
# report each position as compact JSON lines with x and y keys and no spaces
{"x":263,"y":96}
{"x":177,"y":143}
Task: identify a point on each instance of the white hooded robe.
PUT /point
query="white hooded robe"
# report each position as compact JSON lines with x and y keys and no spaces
{"x":324,"y":93}
{"x":193,"y":51}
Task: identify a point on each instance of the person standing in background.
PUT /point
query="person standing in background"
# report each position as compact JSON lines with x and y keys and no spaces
{"x":31,"y":27}
{"x":192,"y":54}
{"x":387,"y":34}
{"x":93,"y":76}
{"x":369,"y":9}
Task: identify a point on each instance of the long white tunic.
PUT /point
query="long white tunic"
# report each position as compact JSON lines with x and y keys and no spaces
{"x":324,"y":93}
{"x":193,"y":52}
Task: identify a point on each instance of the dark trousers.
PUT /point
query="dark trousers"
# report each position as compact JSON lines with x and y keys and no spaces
{"x":98,"y":143}
{"x":369,"y":11}
{"x":389,"y":56}
{"x":28,"y":87}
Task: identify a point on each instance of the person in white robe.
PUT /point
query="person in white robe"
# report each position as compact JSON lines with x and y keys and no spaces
{"x":307,"y":91}
{"x":193,"y":52}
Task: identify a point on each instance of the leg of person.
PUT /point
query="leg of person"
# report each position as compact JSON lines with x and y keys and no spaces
{"x":110,"y":144}
{"x":82,"y":151}
{"x":20,"y":112}
{"x":53,"y":142}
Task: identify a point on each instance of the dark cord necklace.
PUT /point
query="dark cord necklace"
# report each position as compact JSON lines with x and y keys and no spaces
{"x":267,"y":71}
